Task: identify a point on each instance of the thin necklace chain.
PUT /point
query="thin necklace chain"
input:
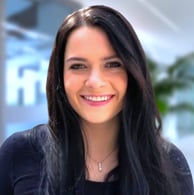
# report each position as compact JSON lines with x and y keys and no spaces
{"x":99,"y":163}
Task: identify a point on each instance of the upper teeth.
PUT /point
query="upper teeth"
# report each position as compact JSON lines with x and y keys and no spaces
{"x":97,"y":98}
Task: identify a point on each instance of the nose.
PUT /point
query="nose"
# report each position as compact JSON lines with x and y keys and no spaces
{"x":95,"y":79}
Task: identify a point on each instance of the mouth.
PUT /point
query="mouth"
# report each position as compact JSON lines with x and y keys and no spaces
{"x":97,"y":98}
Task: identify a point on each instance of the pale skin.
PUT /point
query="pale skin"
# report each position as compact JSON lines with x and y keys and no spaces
{"x":95,"y":81}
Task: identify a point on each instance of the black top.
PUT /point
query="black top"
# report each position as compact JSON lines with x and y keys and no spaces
{"x":20,"y":168}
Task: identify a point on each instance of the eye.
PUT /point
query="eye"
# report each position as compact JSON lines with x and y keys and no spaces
{"x":77,"y":66}
{"x":114,"y":64}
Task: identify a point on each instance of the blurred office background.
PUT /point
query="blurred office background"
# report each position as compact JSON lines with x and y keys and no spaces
{"x":165,"y":28}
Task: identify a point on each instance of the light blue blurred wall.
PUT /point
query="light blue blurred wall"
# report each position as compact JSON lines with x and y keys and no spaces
{"x":30,"y":28}
{"x":2,"y":72}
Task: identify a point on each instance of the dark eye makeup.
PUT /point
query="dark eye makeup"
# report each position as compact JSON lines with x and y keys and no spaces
{"x":77,"y":66}
{"x":113,"y":64}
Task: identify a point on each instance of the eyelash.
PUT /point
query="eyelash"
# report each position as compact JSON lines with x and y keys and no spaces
{"x":113,"y":64}
{"x":77,"y":66}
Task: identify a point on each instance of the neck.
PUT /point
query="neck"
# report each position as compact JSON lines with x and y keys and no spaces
{"x":101,"y":146}
{"x":100,"y":139}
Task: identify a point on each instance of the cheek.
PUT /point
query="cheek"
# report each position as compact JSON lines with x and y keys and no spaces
{"x":123,"y":91}
{"x":72,"y":85}
{"x":68,"y":83}
{"x":122,"y":84}
{"x":70,"y":91}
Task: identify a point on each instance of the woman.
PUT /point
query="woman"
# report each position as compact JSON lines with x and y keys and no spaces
{"x":103,"y":134}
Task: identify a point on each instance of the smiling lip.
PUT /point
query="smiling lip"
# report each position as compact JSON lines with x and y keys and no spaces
{"x":97,"y":100}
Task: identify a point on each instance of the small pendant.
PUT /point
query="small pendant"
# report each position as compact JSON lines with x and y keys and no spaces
{"x":100,"y":167}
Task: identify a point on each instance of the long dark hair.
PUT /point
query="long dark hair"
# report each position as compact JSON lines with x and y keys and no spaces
{"x":141,"y":169}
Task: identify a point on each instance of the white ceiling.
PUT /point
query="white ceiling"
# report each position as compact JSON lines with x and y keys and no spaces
{"x":165,"y":28}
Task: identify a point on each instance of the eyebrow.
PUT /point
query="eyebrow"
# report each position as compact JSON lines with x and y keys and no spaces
{"x":75,"y":59}
{"x":111,"y":57}
{"x":84,"y":60}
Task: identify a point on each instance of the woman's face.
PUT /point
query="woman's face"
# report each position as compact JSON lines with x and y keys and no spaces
{"x":95,"y":79}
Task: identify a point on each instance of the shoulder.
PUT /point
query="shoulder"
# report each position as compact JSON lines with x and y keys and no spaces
{"x":27,"y":140}
{"x":180,"y":167}
{"x":20,"y":160}
{"x":177,"y":158}
{"x":22,"y":144}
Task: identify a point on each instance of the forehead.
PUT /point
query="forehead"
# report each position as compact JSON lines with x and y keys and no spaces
{"x":87,"y":33}
{"x":88,"y":39}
